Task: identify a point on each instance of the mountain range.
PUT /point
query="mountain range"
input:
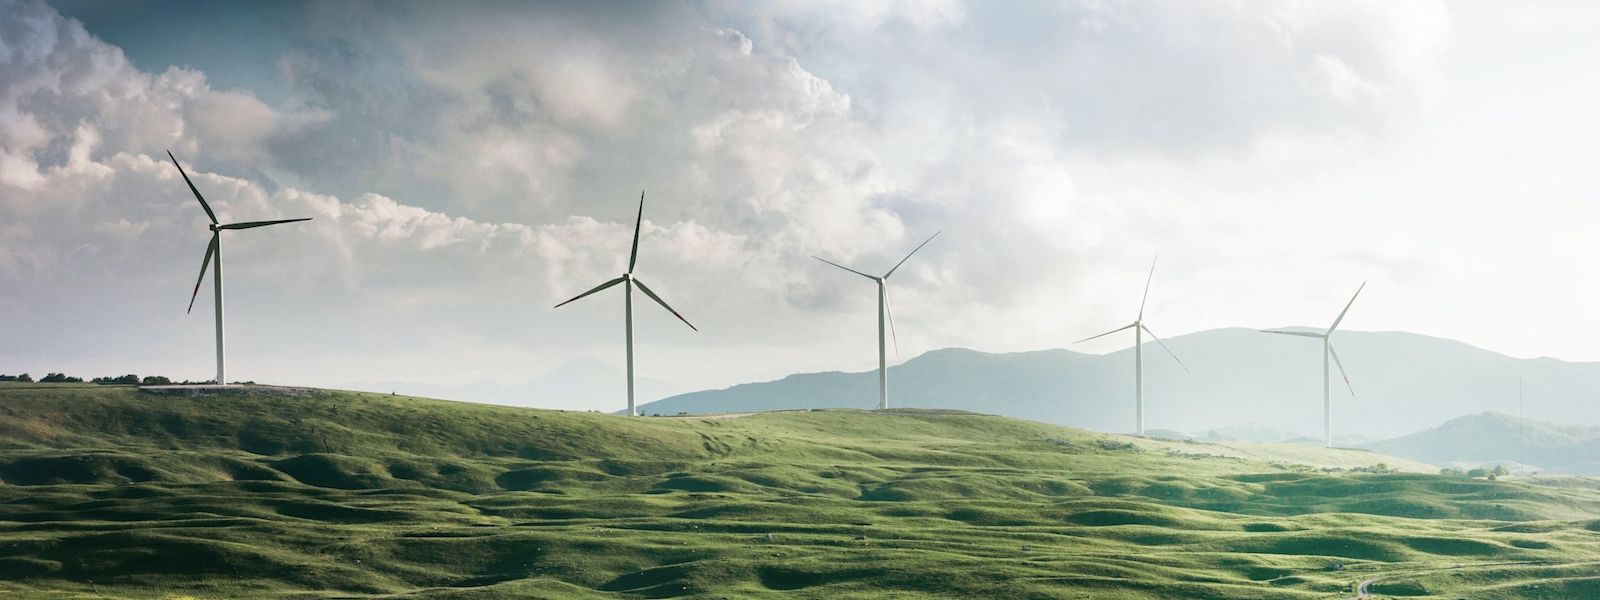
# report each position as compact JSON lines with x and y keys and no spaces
{"x":1491,"y":438}
{"x":1403,"y":382}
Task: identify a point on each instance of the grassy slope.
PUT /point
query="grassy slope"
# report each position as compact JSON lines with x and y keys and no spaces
{"x":114,"y":492}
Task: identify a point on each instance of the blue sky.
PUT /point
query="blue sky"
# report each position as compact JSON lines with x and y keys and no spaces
{"x":470,"y":165}
{"x":236,"y":44}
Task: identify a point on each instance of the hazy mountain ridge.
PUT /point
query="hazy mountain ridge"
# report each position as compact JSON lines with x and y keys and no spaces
{"x":1404,"y":382}
{"x":1488,"y":438}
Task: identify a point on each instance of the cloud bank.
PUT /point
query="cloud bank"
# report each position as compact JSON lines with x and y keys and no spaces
{"x":469,"y":167}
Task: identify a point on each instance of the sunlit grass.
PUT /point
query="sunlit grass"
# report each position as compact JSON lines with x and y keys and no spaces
{"x":118,"y":493}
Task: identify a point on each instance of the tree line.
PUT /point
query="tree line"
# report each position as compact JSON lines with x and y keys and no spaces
{"x":129,"y":379}
{"x":1479,"y":472}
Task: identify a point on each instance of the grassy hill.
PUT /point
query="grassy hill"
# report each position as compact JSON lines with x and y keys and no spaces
{"x":1490,"y":438}
{"x":112,"y":492}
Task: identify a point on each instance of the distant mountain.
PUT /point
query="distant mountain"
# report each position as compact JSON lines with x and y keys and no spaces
{"x":582,"y":384}
{"x":1405,"y":382}
{"x":1495,"y":438}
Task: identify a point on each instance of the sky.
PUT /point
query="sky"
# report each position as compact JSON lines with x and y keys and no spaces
{"x":470,"y":165}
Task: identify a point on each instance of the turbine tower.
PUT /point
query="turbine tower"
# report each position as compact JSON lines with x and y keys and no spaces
{"x":214,"y":251}
{"x":1327,"y":351}
{"x":884,"y":314}
{"x":629,"y":281}
{"x":1139,"y":329}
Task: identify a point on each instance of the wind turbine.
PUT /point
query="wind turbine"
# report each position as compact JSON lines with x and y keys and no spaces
{"x":214,"y":250}
{"x":884,"y":313}
{"x":1139,"y":329}
{"x":1327,"y":351}
{"x":628,"y":281}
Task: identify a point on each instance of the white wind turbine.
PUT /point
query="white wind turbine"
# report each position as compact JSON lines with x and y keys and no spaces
{"x":214,"y":251}
{"x":628,"y":281}
{"x":1139,"y":329}
{"x":884,"y":314}
{"x":1327,"y":351}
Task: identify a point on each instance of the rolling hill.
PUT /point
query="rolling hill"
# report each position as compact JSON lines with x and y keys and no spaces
{"x":1489,"y":438}
{"x":1404,"y":383}
{"x":264,"y":493}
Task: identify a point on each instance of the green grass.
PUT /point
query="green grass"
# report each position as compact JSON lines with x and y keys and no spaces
{"x":110,"y":492}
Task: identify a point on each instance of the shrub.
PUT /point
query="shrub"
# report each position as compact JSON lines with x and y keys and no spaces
{"x":1478,"y":472}
{"x":118,"y":380}
{"x":59,"y":378}
{"x":1453,"y":472}
{"x":155,"y":380}
{"x":1116,"y":446}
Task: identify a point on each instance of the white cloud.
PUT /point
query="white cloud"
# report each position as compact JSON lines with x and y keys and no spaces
{"x":64,"y":94}
{"x":469,"y":166}
{"x":239,"y":126}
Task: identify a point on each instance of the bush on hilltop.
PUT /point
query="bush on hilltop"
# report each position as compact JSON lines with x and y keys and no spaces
{"x":129,"y":379}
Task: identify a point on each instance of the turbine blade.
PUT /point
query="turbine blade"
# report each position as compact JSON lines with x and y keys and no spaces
{"x":646,"y":289}
{"x":197,"y":195}
{"x":1164,"y":347}
{"x":1147,"y":280}
{"x":1124,"y":327}
{"x":1340,"y":364}
{"x":1299,"y":333}
{"x":888,"y":308}
{"x":638,"y":222}
{"x":845,"y":268}
{"x":596,"y":289}
{"x":1347,"y":307}
{"x":205,"y":263}
{"x":913,"y":251}
{"x":254,"y":224}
